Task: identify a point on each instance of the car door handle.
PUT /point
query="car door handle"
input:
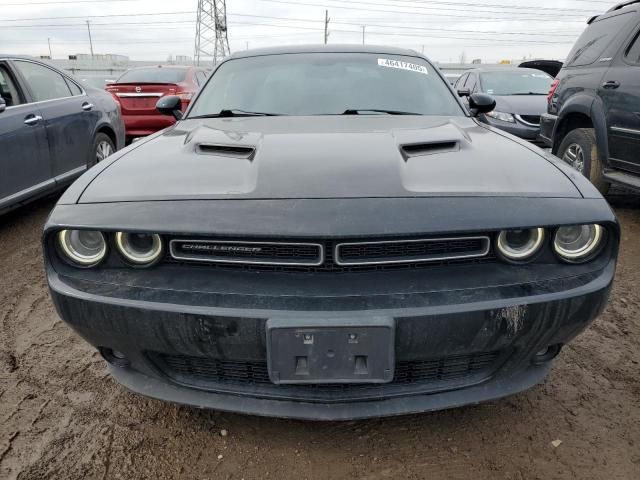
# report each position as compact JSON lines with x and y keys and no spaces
{"x":611,"y":84}
{"x":32,"y":120}
{"x":87,"y":106}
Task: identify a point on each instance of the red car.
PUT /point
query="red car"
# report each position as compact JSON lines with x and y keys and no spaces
{"x":137,"y":90}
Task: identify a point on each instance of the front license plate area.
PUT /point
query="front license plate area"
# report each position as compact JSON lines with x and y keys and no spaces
{"x":322,"y":351}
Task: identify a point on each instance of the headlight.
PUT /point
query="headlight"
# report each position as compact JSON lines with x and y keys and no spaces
{"x":83,"y":247}
{"x":520,"y":245}
{"x":139,"y":248}
{"x":505,"y":117}
{"x":577,"y":243}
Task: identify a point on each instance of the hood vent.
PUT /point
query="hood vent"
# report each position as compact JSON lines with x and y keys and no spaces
{"x":236,"y":151}
{"x":420,"y":149}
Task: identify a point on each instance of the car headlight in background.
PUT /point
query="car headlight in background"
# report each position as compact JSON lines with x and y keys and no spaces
{"x":505,"y":117}
{"x":576,"y":243}
{"x":139,"y":248}
{"x":521,"y":244}
{"x":83,"y":247}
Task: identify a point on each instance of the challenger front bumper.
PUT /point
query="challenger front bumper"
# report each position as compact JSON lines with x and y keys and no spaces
{"x":511,"y":322}
{"x":463,"y":333}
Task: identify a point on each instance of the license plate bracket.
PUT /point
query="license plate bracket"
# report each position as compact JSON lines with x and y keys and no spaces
{"x":322,"y":351}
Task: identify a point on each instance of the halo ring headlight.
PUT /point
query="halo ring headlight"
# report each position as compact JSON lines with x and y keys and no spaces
{"x":85,"y":248}
{"x":577,"y":243}
{"x":139,"y":248}
{"x":520,"y":245}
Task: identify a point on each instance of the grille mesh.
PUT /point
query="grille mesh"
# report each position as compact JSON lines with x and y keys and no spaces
{"x":409,"y":253}
{"x":253,"y":377}
{"x":410,"y":250}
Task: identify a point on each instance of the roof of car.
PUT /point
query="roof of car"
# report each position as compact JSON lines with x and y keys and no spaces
{"x":331,"y":48}
{"x":501,"y":69}
{"x":613,"y":11}
{"x":26,"y":57}
{"x":175,"y":67}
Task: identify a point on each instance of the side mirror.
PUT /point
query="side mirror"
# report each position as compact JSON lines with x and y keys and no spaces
{"x":170,"y":105}
{"x":3,"y":105}
{"x":464,"y":92}
{"x":481,"y":103}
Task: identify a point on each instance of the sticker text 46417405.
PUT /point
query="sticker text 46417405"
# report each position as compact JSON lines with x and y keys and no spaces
{"x":412,"y":67}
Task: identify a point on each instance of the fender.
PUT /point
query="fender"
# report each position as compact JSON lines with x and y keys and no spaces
{"x":592,"y":108}
{"x":599,"y":119}
{"x":104,"y":123}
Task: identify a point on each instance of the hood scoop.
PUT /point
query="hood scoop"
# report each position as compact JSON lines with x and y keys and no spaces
{"x":205,"y":140}
{"x":428,"y":148}
{"x":235,"y":151}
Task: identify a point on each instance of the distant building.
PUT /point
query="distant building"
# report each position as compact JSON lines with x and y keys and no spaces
{"x":180,"y":60}
{"x":109,"y":58}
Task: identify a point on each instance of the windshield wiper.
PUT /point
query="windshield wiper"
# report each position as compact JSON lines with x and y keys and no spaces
{"x":529,"y":93}
{"x":356,"y":111}
{"x":235,"y":112}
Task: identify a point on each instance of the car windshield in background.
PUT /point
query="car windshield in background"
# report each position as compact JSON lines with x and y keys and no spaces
{"x":516,"y":83}
{"x":153,"y":75}
{"x":327,"y":84}
{"x":95,"y":82}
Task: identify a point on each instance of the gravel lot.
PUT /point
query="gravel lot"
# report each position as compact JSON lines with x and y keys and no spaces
{"x":61,"y":415}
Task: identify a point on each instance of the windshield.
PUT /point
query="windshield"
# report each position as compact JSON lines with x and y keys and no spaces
{"x":525,"y":82}
{"x":154,"y":75}
{"x":326,"y":84}
{"x":95,"y":82}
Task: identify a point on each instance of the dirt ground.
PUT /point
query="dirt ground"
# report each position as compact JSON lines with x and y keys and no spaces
{"x":62,"y":417}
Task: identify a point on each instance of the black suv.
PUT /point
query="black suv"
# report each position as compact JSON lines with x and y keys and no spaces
{"x":593,"y":119}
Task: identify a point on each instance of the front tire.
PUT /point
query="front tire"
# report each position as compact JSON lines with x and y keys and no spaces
{"x":580,"y":150}
{"x":102,"y":148}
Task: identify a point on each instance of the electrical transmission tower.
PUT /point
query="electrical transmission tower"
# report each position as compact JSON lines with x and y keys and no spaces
{"x":211,"y":31}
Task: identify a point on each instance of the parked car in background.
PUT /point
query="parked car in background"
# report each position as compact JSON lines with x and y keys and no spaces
{"x":137,"y":90}
{"x":51,"y":129}
{"x":520,"y":95}
{"x":452,"y":78}
{"x":593,"y":118}
{"x":552,"y":67}
{"x":329,"y":234}
{"x":96,"y":81}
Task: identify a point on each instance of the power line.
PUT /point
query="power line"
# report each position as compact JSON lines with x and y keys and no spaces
{"x":421,"y":13}
{"x":504,"y":6}
{"x":403,"y":27}
{"x":26,"y":4}
{"x":98,"y":16}
{"x":399,"y":34}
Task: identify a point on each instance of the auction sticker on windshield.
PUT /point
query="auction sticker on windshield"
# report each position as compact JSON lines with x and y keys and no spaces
{"x":412,"y":67}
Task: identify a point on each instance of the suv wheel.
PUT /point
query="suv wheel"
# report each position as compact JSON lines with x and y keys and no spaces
{"x":102,"y":148}
{"x":579,"y":149}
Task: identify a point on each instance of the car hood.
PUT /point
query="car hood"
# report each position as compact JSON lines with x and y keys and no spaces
{"x":326,"y":157}
{"x":521,"y":104}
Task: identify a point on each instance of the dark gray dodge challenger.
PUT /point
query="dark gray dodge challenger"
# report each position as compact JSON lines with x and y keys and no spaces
{"x":326,"y":233}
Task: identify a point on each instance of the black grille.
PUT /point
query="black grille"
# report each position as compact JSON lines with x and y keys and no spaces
{"x":405,"y":254}
{"x":252,"y":378}
{"x":534,"y":119}
{"x":412,"y":250}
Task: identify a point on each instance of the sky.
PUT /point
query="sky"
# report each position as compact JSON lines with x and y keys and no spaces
{"x":445,"y":30}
